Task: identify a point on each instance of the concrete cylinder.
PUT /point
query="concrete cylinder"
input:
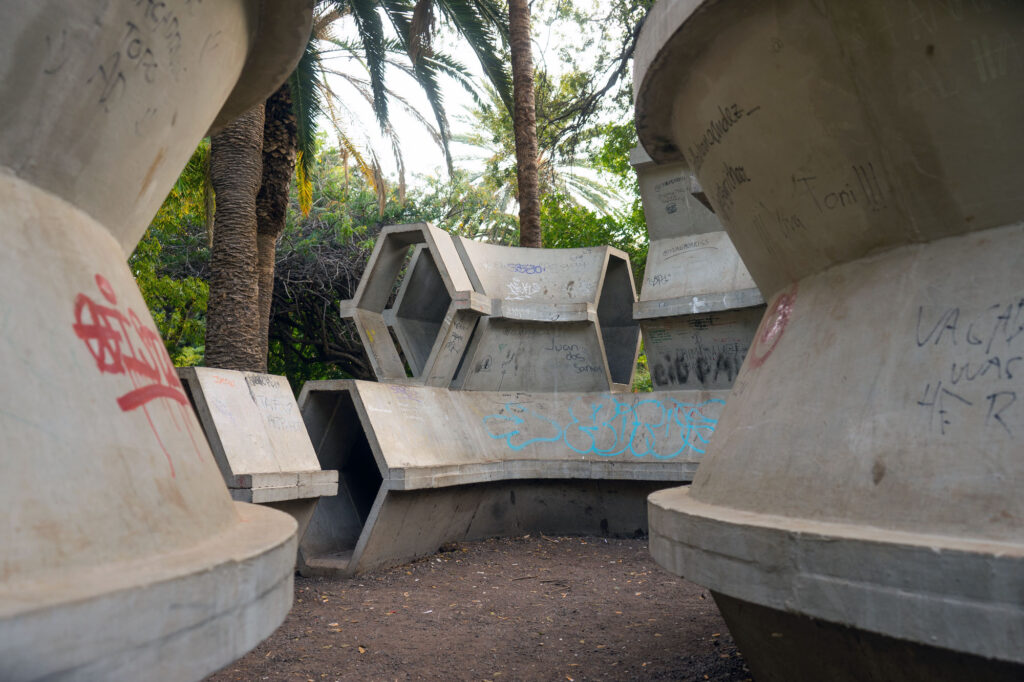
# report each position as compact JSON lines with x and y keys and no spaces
{"x":865,"y":159}
{"x":123,"y":555}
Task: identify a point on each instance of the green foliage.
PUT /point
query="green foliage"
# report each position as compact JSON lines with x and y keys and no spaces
{"x":169,"y":261}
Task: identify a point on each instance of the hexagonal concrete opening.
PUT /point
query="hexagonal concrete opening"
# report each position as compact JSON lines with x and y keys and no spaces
{"x":340,"y":443}
{"x":403,"y":327}
{"x":419,"y":309}
{"x":619,"y":331}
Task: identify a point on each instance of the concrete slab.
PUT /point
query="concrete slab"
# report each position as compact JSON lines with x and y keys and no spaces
{"x":699,"y":306}
{"x":254,"y":427}
{"x":560,"y":319}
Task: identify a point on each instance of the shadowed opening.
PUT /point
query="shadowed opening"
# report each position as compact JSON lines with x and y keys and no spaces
{"x":340,"y":443}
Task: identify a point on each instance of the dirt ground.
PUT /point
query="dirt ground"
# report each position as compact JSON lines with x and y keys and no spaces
{"x":530,"y":608}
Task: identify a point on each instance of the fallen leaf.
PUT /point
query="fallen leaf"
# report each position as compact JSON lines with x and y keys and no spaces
{"x":362,"y":649}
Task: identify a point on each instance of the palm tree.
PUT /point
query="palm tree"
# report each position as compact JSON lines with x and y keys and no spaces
{"x":232,"y":314}
{"x":232,"y":326}
{"x":563,"y":169}
{"x":524,"y":122}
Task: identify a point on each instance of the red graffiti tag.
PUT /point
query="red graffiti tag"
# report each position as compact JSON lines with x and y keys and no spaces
{"x":772,"y":327}
{"x":120,"y":343}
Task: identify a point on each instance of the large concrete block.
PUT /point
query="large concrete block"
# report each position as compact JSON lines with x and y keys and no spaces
{"x":865,"y":159}
{"x":422,"y":466}
{"x":698,"y":307}
{"x":479,"y":316}
{"x":254,"y":427}
{"x":115,"y":512}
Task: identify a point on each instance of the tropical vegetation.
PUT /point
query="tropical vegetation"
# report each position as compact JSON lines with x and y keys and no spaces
{"x":300,"y":197}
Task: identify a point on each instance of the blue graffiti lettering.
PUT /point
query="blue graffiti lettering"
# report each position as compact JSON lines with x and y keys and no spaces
{"x":605,"y":426}
{"x":526,"y":268}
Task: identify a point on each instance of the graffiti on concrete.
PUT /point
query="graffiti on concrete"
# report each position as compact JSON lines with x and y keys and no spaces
{"x":983,"y":350}
{"x":606,"y":426}
{"x":121,"y":343}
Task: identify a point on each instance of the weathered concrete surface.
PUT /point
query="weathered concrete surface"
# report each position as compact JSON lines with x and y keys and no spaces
{"x":255,"y":430}
{"x":699,"y":352}
{"x":484,"y":317}
{"x":699,"y":307}
{"x":144,"y":79}
{"x":866,"y":166}
{"x":673,"y":201}
{"x":114,"y":507}
{"x":476,"y":464}
{"x":433,"y":314}
{"x":560,"y":319}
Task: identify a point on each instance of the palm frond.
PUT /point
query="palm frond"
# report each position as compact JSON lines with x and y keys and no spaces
{"x":482,"y":23}
{"x":371,"y":34}
{"x":307,"y":105}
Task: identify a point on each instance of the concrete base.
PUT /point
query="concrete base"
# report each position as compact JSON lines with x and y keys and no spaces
{"x":405,"y":525}
{"x":785,"y":647}
{"x":930,"y":591}
{"x":177,"y":616}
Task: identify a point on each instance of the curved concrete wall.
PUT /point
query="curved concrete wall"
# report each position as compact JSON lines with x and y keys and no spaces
{"x":865,"y":159}
{"x":115,"y":508}
{"x":420,"y":466}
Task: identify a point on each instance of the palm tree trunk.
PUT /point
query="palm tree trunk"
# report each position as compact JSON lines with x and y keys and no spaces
{"x":280,"y":139}
{"x":524,"y":122}
{"x":232,"y":321}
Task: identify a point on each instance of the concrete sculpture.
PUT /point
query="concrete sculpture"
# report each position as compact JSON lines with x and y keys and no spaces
{"x":433,"y":315}
{"x":698,"y":306}
{"x":524,"y":423}
{"x":258,"y":438}
{"x":478,"y":316}
{"x":121,"y":555}
{"x":857,"y":515}
{"x":422,"y":466}
{"x":560,"y":319}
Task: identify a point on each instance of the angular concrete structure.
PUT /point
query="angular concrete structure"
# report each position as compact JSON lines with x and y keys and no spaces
{"x":857,"y":515}
{"x":423,"y":466}
{"x":699,"y":306}
{"x":560,"y":319}
{"x":478,"y":316}
{"x":122,"y":555}
{"x":433,"y":314}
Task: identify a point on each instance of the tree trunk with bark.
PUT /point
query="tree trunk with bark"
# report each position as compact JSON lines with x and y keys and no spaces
{"x":524,"y":122}
{"x":280,"y":139}
{"x":232,"y":327}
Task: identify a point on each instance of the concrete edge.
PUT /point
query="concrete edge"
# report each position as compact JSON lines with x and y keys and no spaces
{"x":210,"y":603}
{"x":942,"y":591}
